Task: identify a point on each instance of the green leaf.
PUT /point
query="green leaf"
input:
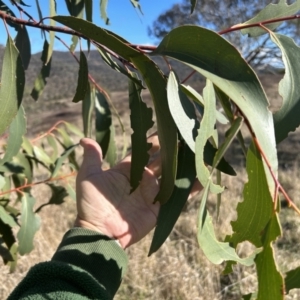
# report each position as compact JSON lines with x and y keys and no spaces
{"x":270,"y":281}
{"x":103,"y":7}
{"x":206,"y":131}
{"x":83,"y":79}
{"x":115,"y":66}
{"x":74,"y":129}
{"x":2,"y":182}
{"x":254,"y":213}
{"x":221,"y":63}
{"x":89,"y":10}
{"x":17,"y":129}
{"x":71,"y":192}
{"x":215,"y":251}
{"x":88,"y":105}
{"x":58,"y":163}
{"x":229,"y":136}
{"x":7,"y":218}
{"x":183,"y":111}
{"x":42,"y":156}
{"x":193,"y":5}
{"x":170,"y":211}
{"x":104,"y":37}
{"x":25,"y":162}
{"x":52,"y":143}
{"x":40,"y":82}
{"x":136,"y":4}
{"x":30,"y":224}
{"x":27,"y":146}
{"x":141,"y":121}
{"x":22,"y":42}
{"x":287,"y":118}
{"x":166,"y":128}
{"x":12,"y":85}
{"x":271,"y":11}
{"x":75,"y":7}
{"x":292,"y":280}
{"x":59,"y":193}
{"x":52,"y":4}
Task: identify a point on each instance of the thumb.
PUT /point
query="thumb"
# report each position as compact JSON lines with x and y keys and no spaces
{"x":92,"y":156}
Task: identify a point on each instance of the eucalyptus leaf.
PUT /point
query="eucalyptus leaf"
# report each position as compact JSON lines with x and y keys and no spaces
{"x":40,"y":82}
{"x":30,"y":224}
{"x":287,"y":119}
{"x":103,"y":13}
{"x":22,"y":42}
{"x":271,"y":11}
{"x":83,"y":79}
{"x":141,"y":121}
{"x":292,"y":280}
{"x":12,"y":84}
{"x":52,"y":4}
{"x":17,"y":129}
{"x":193,"y":5}
{"x":88,"y":105}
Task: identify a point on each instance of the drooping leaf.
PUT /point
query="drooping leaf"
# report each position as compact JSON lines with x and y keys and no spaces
{"x":115,"y":66}
{"x":75,"y":7}
{"x":292,"y":280}
{"x":183,"y":111}
{"x":52,"y":4}
{"x":216,"y":251}
{"x":104,"y":37}
{"x":103,"y":122}
{"x":83,"y":79}
{"x":254,"y":213}
{"x":166,"y":128}
{"x":7,"y":218}
{"x":228,"y":71}
{"x":103,"y":13}
{"x":8,"y":11}
{"x":141,"y":121}
{"x":22,"y":2}
{"x":88,"y":4}
{"x":88,"y":105}
{"x":74,"y":129}
{"x":42,"y":156}
{"x":30,"y":224}
{"x":52,"y":143}
{"x":170,"y":211}
{"x":23,"y":160}
{"x":59,"y":161}
{"x":287,"y":118}
{"x":59,"y":193}
{"x":193,"y":5}
{"x":40,"y":82}
{"x":271,"y":11}
{"x":12,"y":85}
{"x":23,"y":44}
{"x":206,"y":131}
{"x":136,"y":4}
{"x":17,"y":129}
{"x":270,"y":281}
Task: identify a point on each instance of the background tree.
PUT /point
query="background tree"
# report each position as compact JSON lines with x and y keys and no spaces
{"x":218,"y":15}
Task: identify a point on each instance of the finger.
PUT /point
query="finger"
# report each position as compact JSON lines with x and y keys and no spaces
{"x":92,"y":156}
{"x":155,"y":165}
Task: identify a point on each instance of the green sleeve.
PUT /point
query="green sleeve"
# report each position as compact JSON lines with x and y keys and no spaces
{"x":86,"y":265}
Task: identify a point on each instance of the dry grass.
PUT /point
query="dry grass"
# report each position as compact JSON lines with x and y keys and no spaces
{"x":179,"y":269}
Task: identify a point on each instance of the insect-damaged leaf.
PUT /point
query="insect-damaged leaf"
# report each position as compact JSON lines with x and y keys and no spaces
{"x":254,"y":213}
{"x":17,"y":129}
{"x":170,"y":211}
{"x":105,"y":136}
{"x":83,"y":79}
{"x":30,"y":224}
{"x":141,"y":122}
{"x":221,"y":63}
{"x":287,"y":118}
{"x":12,"y":84}
{"x":166,"y":128}
{"x":40,"y":82}
{"x":270,"y":281}
{"x":271,"y":11}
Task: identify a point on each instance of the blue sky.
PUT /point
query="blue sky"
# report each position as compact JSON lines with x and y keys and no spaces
{"x":125,"y":20}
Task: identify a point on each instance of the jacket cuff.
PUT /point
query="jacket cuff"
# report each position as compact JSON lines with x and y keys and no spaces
{"x":95,"y":253}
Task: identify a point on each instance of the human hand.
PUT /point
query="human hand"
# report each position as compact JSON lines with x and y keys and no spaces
{"x":104,"y":202}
